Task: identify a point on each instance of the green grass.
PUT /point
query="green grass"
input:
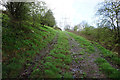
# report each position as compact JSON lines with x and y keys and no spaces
{"x":76,"y":60}
{"x":81,"y":58}
{"x":58,"y":59}
{"x":107,"y":68}
{"x":85,"y":44}
{"x":103,"y":64}
{"x":108,"y":54}
{"x":20,"y":46}
{"x":82,"y":52}
{"x":67,"y":75}
{"x":84,"y":75}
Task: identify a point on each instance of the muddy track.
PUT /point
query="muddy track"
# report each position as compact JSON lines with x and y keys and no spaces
{"x":86,"y":67}
{"x":27,"y":72}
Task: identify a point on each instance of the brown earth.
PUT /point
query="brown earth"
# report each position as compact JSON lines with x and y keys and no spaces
{"x":27,"y":72}
{"x":86,"y":67}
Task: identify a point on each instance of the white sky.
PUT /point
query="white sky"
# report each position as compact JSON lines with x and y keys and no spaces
{"x":74,"y":10}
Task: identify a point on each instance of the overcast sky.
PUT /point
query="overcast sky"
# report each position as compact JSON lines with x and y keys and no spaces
{"x":72,"y":12}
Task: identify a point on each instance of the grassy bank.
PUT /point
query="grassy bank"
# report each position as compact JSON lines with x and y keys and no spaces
{"x":20,"y":46}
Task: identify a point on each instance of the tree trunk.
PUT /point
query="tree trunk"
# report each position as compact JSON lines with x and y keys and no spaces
{"x":118,"y":31}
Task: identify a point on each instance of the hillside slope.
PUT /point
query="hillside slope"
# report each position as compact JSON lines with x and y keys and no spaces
{"x":49,"y":53}
{"x":20,"y":49}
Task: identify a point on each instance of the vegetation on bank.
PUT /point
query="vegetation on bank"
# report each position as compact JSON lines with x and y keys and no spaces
{"x":103,"y":36}
{"x":25,"y":46}
{"x":103,"y":61}
{"x":27,"y":28}
{"x":85,"y":44}
{"x":110,"y":71}
{"x":56,"y":64}
{"x":20,"y":48}
{"x":107,"y":28}
{"x":24,"y":34}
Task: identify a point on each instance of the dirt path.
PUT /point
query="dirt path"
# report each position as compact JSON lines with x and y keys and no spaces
{"x":27,"y":72}
{"x":83,"y":65}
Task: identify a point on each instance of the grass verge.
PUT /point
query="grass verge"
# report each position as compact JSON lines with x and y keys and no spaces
{"x":83,"y":43}
{"x":107,"y":68}
{"x":56,"y":64}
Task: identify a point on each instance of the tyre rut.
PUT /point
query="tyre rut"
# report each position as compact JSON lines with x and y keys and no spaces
{"x":85,"y":67}
{"x":27,"y":72}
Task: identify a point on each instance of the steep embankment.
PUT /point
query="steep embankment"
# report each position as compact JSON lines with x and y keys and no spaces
{"x":21,"y":49}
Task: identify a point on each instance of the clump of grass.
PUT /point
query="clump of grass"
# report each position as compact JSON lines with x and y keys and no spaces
{"x":67,"y":67}
{"x":76,"y":60}
{"x":81,"y":58}
{"x":68,"y":75}
{"x":100,"y":60}
{"x":82,"y":52}
{"x":49,"y":58}
{"x":84,"y":74}
{"x":36,"y":72}
{"x":67,"y":61}
{"x":58,"y":60}
{"x":51,"y":74}
{"x":59,"y":55}
{"x":72,"y":45}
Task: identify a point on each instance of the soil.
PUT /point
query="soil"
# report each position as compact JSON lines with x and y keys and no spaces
{"x":85,"y":68}
{"x":27,"y":72}
{"x":82,"y":66}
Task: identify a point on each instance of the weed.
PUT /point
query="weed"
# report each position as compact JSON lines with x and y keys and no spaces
{"x":84,"y":74}
{"x":81,"y":58}
{"x":68,"y":75}
{"x":100,"y":60}
{"x":67,"y":67}
{"x":76,"y":60}
{"x":81,"y":53}
{"x":72,"y":45}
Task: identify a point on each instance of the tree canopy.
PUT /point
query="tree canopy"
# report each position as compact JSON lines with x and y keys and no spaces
{"x":109,"y":12}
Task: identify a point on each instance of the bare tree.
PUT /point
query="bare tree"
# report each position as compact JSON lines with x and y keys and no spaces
{"x":82,"y":25}
{"x":109,"y":11}
{"x":67,"y":27}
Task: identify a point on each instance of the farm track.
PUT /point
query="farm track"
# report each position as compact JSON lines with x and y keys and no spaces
{"x":86,"y":67}
{"x":27,"y":72}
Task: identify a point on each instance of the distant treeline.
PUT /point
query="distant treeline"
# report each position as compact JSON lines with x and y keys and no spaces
{"x":107,"y":32}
